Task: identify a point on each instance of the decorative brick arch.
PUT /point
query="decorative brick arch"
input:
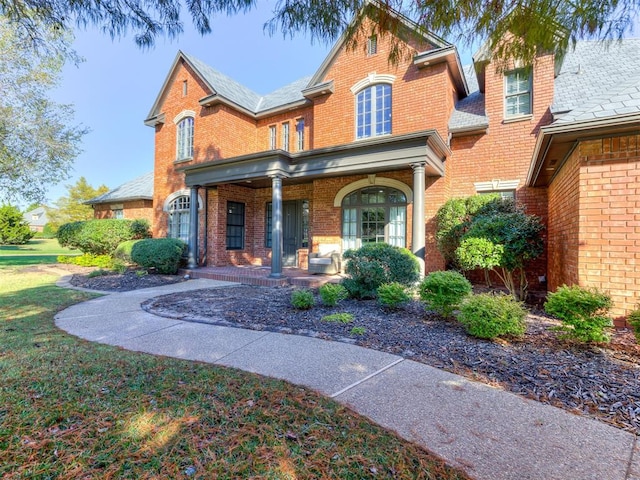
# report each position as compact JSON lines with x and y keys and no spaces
{"x":372,"y":79}
{"x":373,"y":181}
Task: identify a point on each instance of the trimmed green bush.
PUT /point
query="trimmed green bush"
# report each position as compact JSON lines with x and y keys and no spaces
{"x":302,"y":299}
{"x":13,"y":229}
{"x":122,"y":252}
{"x":634,"y":320}
{"x":583,"y":312}
{"x":87,"y":260}
{"x":490,"y":316}
{"x":332,"y":293}
{"x":375,"y":264}
{"x":392,"y":295}
{"x":443,"y":291}
{"x":161,"y":254}
{"x":101,"y":237}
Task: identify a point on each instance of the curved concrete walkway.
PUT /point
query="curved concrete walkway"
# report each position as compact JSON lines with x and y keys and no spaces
{"x":489,"y":433}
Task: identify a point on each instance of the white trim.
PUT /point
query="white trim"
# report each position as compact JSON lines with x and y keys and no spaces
{"x":367,"y":182}
{"x":182,"y":115}
{"x":372,"y":79}
{"x":185,"y":192}
{"x":496,"y":185}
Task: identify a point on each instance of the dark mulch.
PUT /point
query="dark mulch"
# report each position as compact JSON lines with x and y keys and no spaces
{"x":602,"y":381}
{"x":125,"y":282}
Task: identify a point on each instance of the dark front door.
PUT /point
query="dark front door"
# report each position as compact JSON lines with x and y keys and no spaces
{"x":290,"y":233}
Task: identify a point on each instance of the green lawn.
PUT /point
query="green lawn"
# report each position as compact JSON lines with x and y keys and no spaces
{"x":36,"y":251}
{"x":37,"y":246}
{"x":75,"y":409}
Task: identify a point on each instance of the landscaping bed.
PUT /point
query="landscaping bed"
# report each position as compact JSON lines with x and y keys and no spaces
{"x":600,"y":380}
{"x":130,"y":280}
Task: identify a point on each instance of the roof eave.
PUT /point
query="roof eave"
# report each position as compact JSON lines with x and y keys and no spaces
{"x":324,"y":88}
{"x":480,"y":128}
{"x":447,"y":54}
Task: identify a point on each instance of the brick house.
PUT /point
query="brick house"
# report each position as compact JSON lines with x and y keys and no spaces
{"x":366,"y":151}
{"x":132,"y":200}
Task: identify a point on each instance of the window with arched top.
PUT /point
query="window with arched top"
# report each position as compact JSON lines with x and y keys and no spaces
{"x":372,"y":215}
{"x":184,"y":145}
{"x":178,"y":210}
{"x":373,"y":111}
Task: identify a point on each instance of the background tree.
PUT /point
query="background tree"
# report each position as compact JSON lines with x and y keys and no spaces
{"x":539,"y":25}
{"x":37,"y":141}
{"x":13,"y":229}
{"x":72,"y":208}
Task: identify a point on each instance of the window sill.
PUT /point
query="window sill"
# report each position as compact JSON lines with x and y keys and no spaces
{"x":372,"y":137}
{"x":182,"y":160}
{"x":518,"y":118}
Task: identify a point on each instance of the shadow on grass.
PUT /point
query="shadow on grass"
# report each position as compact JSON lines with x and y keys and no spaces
{"x":26,"y":260}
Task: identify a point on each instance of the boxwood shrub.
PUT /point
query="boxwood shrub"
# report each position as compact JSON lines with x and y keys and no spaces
{"x":375,"y":264}
{"x":490,"y":316}
{"x":101,"y":237}
{"x":443,"y":291}
{"x":122,"y":253}
{"x":161,"y":254}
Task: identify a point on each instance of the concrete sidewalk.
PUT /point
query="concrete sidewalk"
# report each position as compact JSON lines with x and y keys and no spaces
{"x":489,"y":433}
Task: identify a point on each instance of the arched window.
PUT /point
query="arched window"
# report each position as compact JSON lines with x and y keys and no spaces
{"x":373,"y":111}
{"x":179,"y":218}
{"x":185,"y":139}
{"x":374,"y":214}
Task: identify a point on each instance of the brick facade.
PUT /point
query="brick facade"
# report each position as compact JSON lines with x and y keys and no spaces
{"x":133,"y":210}
{"x":591,"y":202}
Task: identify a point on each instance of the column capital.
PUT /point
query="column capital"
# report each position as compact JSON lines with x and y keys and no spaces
{"x":418,"y":165}
{"x":280,"y":176}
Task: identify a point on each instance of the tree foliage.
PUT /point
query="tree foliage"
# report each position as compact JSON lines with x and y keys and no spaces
{"x":37,"y":140}
{"x":13,"y":229}
{"x":503,"y":241}
{"x":537,"y":25}
{"x":72,"y":208}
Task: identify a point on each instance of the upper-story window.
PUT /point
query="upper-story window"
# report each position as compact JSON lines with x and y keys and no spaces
{"x":517,"y":97}
{"x":185,"y":139}
{"x":300,"y":134}
{"x":372,"y":45}
{"x":285,"y":136}
{"x":272,"y":137}
{"x":373,"y":111}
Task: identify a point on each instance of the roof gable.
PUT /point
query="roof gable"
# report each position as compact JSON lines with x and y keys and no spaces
{"x":140,"y":188}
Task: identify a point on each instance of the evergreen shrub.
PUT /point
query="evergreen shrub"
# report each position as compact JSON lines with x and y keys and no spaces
{"x":443,"y":291}
{"x":101,"y":237}
{"x":161,"y":254}
{"x":332,"y":293}
{"x":392,"y":295}
{"x":490,"y":316}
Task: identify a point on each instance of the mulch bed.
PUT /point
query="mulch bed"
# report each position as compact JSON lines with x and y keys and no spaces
{"x":125,"y":282}
{"x":601,"y":381}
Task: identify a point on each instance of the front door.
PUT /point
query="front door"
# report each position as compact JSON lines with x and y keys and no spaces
{"x":290,"y":233}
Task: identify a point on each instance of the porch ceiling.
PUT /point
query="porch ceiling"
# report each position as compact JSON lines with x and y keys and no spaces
{"x":366,"y":156}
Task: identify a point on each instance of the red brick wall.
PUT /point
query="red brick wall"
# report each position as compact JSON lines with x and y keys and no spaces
{"x":609,"y":244}
{"x":564,"y":225}
{"x":134,"y":210}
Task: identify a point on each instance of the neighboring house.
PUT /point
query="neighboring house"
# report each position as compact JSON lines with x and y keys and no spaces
{"x":133,"y":200}
{"x":36,"y":218}
{"x":365,"y":151}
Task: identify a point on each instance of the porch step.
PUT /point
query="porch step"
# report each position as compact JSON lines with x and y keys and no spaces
{"x":260,"y":277}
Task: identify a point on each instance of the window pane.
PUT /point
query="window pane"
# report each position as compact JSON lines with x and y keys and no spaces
{"x":268,"y":224}
{"x":235,"y":226}
{"x":179,"y":218}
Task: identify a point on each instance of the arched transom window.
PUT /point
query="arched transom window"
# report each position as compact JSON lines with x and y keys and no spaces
{"x":374,"y":214}
{"x":373,"y":111}
{"x":179,"y":218}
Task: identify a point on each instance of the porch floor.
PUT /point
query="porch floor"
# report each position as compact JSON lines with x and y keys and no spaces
{"x":258,"y":275}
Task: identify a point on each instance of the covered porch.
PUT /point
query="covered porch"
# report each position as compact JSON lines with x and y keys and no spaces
{"x":261,"y":276}
{"x":424,"y":153}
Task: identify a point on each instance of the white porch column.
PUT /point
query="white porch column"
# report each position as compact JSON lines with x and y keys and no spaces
{"x":192,"y":258}
{"x":418,"y":241}
{"x":276,"y":226}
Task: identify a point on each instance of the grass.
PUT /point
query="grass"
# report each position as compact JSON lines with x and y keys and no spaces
{"x":36,"y":251}
{"x":75,"y":409}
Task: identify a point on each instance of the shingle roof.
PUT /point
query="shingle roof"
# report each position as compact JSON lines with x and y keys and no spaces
{"x":248,"y":99}
{"x":140,"y":188}
{"x":595,"y":80}
{"x":469,"y":112}
{"x":41,"y":217}
{"x":594,"y":72}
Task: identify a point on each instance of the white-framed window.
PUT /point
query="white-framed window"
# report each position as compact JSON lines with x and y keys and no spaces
{"x":185,"y":88}
{"x":179,"y":218}
{"x":373,"y":111}
{"x":273,"y":138}
{"x":300,"y":134}
{"x":185,"y":139}
{"x":374,"y":215}
{"x":285,"y":136}
{"x":504,"y":188}
{"x":517,"y":92}
{"x":372,"y":45}
{"x":117,"y":213}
